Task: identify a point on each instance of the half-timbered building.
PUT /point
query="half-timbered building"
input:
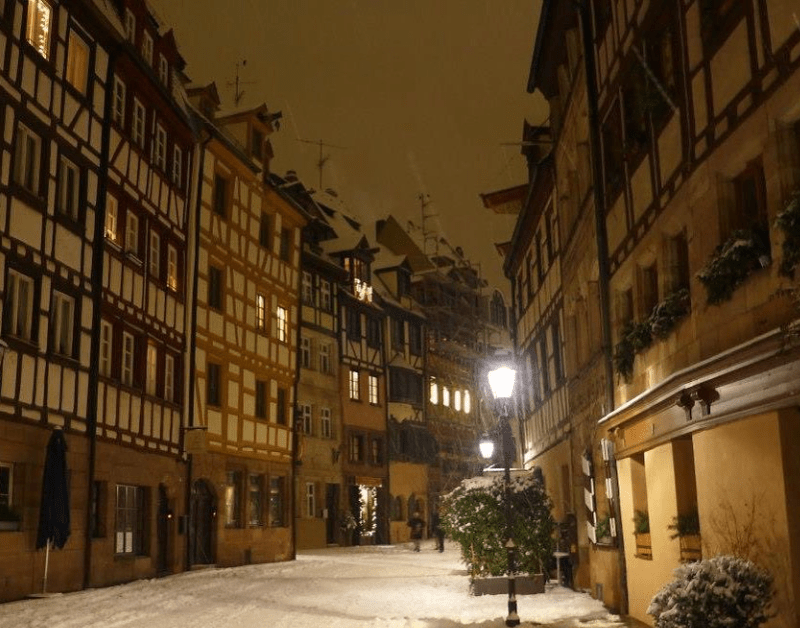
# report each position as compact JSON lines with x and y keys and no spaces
{"x":246,"y":332}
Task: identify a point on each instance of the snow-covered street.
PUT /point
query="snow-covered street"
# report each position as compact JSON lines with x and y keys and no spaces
{"x":383,"y":586}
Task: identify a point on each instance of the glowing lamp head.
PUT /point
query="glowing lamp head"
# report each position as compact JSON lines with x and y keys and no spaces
{"x":486,"y":446}
{"x":501,"y":381}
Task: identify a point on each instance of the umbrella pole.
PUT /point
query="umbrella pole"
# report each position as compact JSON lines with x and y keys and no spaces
{"x":46,"y":565}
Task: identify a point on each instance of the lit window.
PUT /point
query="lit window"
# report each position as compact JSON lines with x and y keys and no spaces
{"x":147,"y":48}
{"x":18,"y":310}
{"x":27,"y":158}
{"x":445,"y":396}
{"x":255,"y":492}
{"x":155,"y":254}
{"x":68,"y":188}
{"x":305,"y":352}
{"x":138,"y":122}
{"x":325,"y":359}
{"x":457,"y":400}
{"x":355,"y":393}
{"x":106,"y":332}
{"x":40,"y":15}
{"x":130,"y":26}
{"x":276,"y":502}
{"x":77,"y":62}
{"x":163,"y":69}
{"x":467,"y":402}
{"x":325,"y":423}
{"x":177,"y":165}
{"x":434,"y":397}
{"x":152,"y":365}
{"x":373,"y":389}
{"x":304,"y":410}
{"x":161,"y":147}
{"x":283,"y":324}
{"x":261,"y":312}
{"x":112,"y":213}
{"x":311,"y":508}
{"x":172,"y":268}
{"x":127,"y":358}
{"x":233,"y":499}
{"x":118,"y":112}
{"x":325,"y":295}
{"x":132,"y":233}
{"x":63,"y":312}
{"x":169,"y":378}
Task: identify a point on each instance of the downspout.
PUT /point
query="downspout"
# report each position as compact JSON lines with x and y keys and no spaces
{"x":190,"y":368}
{"x":98,"y":255}
{"x":604,"y":275}
{"x":295,"y":413}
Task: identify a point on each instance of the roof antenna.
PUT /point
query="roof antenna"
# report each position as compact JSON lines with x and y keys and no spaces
{"x":238,"y":94}
{"x":424,"y":201}
{"x":323,"y":159}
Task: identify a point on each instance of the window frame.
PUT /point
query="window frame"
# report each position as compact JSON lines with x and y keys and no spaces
{"x":68,"y":189}
{"x":282,"y":323}
{"x":172,"y":267}
{"x":325,"y":423}
{"x":169,"y":377}
{"x":119,"y":102}
{"x":216,"y":296}
{"x":154,"y":255}
{"x":372,"y":388}
{"x":260,"y":399}
{"x":147,"y":48}
{"x":214,"y":384}
{"x":261,"y":312}
{"x":128,"y":359}
{"x":130,"y":26}
{"x":79,"y":83}
{"x":130,"y":519}
{"x":106,"y":348}
{"x":354,"y":385}
{"x":132,"y":236}
{"x":139,"y":122}
{"x":112,"y":218}
{"x":44,"y":45}
{"x":11,"y":315}
{"x":305,"y":352}
{"x":62,"y":331}
{"x":160,"y":147}
{"x":27,"y":170}
{"x":151,"y":369}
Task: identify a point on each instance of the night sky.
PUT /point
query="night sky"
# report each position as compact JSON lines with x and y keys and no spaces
{"x":419,"y":94}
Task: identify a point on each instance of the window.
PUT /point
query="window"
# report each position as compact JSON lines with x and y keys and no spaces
{"x":177,"y":166}
{"x":130,"y":26}
{"x":276,"y":502}
{"x":63,"y":322}
{"x":172,"y":268}
{"x":445,"y":396}
{"x":161,"y":148}
{"x":434,"y":392}
{"x":372,"y":381}
{"x":77,"y":62}
{"x":355,"y":393}
{"x":131,"y":233}
{"x":18,"y":309}
{"x":373,"y":332}
{"x":286,"y":240}
{"x":467,"y":402}
{"x":555,"y":335}
{"x":155,"y":254}
{"x":377,"y":451}
{"x":37,"y":32}
{"x":220,"y":206}
{"x":169,"y":378}
{"x":257,"y":144}
{"x":6,"y":484}
{"x":325,"y":295}
{"x":325,"y":358}
{"x":214,"y":384}
{"x":308,"y":289}
{"x":263,"y":231}
{"x":356,"y":448}
{"x":457,"y":400}
{"x":27,"y":159}
{"x":305,"y":352}
{"x":405,"y":386}
{"x":283,"y":324}
{"x":163,"y":69}
{"x":678,"y":262}
{"x":414,"y":338}
{"x":353,"y":324}
{"x":130,"y":519}
{"x":254,"y":493}
{"x":261,"y":399}
{"x":112,"y":213}
{"x":68,"y":188}
{"x":118,"y":110}
{"x":128,"y":346}
{"x":311,"y":508}
{"x":138,"y":122}
{"x":748,"y":211}
{"x":281,"y":407}
{"x":261,"y":312}
{"x":649,"y":285}
{"x":233,"y":499}
{"x":147,"y":48}
{"x":398,"y":333}
{"x":304,"y":412}
{"x":152,"y":369}
{"x":106,"y":335}
{"x":215,"y":287}
{"x":325,"y":423}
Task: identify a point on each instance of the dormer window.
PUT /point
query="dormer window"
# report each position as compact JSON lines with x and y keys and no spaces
{"x":130,"y":26}
{"x":257,"y":147}
{"x":40,"y":15}
{"x":147,"y":48}
{"x":163,"y":69}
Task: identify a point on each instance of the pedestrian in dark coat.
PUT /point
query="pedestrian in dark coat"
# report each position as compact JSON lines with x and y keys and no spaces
{"x":417,"y":525}
{"x":438,"y":531}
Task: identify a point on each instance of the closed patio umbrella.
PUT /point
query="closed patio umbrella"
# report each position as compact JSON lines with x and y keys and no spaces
{"x":54,"y":512}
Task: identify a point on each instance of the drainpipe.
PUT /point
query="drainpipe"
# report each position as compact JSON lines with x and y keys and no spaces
{"x":604,"y":278}
{"x":191,"y":302}
{"x":98,"y":254}
{"x":295,"y":414}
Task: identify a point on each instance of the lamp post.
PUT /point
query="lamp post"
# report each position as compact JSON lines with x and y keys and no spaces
{"x":501,"y":381}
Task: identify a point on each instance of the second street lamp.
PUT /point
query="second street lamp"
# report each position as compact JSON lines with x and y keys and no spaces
{"x":501,"y":381}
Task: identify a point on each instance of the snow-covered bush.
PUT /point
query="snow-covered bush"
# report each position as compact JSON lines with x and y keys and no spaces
{"x":720,"y":592}
{"x":474,"y":517}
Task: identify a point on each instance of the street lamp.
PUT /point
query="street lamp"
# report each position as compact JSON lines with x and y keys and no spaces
{"x":501,"y":381}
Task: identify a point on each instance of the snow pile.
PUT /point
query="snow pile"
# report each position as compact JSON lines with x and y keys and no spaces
{"x":379,"y":586}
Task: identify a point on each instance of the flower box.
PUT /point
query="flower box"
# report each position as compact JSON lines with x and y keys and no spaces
{"x":644,"y":548}
{"x":691,"y":548}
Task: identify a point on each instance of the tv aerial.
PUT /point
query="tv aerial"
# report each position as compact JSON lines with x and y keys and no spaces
{"x":323,"y":158}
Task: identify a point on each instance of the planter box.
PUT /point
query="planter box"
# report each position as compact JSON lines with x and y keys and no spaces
{"x":498,"y":585}
{"x":644,"y":548}
{"x":691,"y":548}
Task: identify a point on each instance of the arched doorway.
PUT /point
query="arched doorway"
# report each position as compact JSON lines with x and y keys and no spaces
{"x":203,"y":520}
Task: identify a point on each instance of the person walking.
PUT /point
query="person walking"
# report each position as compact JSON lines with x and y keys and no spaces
{"x":438,"y":531}
{"x":416,"y":524}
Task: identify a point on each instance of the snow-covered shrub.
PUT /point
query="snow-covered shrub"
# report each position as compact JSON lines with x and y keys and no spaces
{"x":720,"y":592}
{"x":731,"y":263}
{"x":474,"y":517}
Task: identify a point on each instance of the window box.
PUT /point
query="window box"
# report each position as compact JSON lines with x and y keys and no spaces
{"x":732,"y":262}
{"x":691,"y":548}
{"x":644,"y":547}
